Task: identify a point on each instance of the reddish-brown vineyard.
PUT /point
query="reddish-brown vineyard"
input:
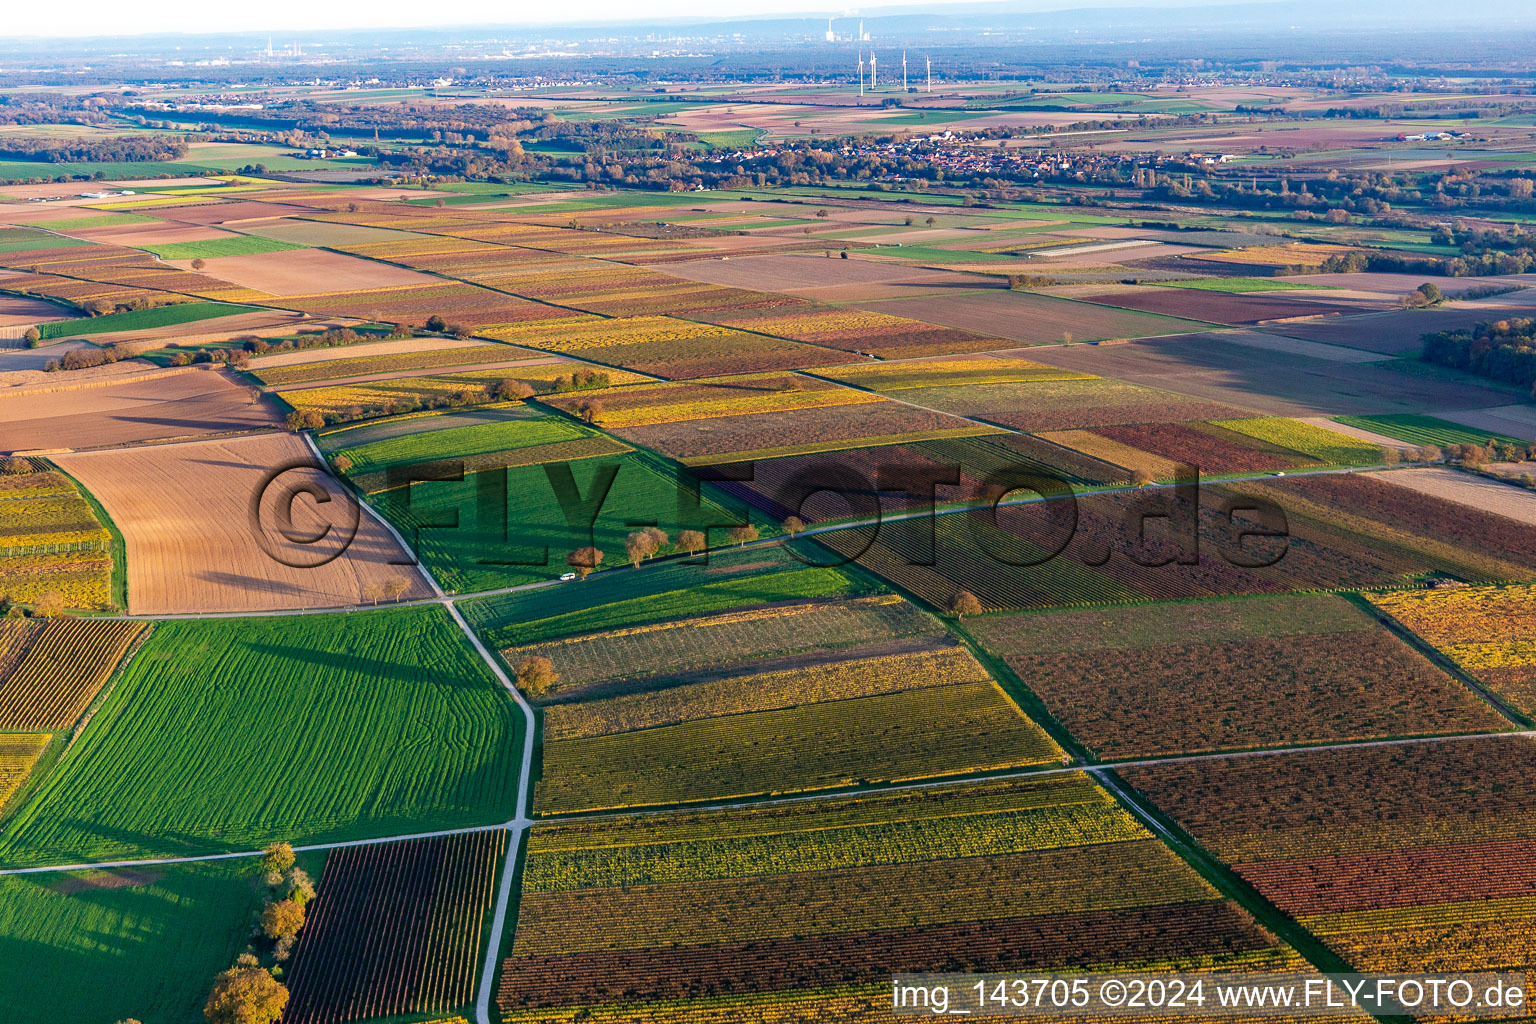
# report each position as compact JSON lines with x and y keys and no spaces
{"x":1407,"y":858}
{"x":395,"y":929}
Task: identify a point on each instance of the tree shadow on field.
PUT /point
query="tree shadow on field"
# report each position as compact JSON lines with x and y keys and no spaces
{"x":256,"y":583}
{"x":200,"y":426}
{"x":222,"y":464}
{"x":83,"y":840}
{"x":365,"y":666}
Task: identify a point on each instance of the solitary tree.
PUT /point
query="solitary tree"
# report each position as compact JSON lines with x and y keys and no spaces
{"x":341,"y":463}
{"x":372,"y":592}
{"x":741,"y":535}
{"x":591,"y":411}
{"x":692,"y":541}
{"x":33,"y":337}
{"x":312,"y":419}
{"x":963,"y":603}
{"x":584,"y":560}
{"x":793,"y":525}
{"x":536,"y":675}
{"x":245,"y":995}
{"x":198,"y":264}
{"x":395,"y":587}
{"x":49,"y":604}
{"x":283,"y":917}
{"x":930,"y":222}
{"x":1140,"y":478}
{"x":436,"y":323}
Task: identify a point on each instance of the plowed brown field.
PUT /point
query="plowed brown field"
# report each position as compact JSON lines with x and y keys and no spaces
{"x":153,"y":405}
{"x":185,"y":514}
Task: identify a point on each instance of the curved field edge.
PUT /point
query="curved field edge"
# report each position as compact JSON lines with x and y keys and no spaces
{"x":226,"y":734}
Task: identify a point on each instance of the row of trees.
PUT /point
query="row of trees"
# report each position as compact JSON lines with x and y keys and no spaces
{"x":250,"y":992}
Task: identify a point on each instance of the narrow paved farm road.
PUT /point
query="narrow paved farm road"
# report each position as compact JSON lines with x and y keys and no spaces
{"x":517,"y":825}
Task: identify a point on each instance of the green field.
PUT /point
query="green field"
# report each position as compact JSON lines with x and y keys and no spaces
{"x":227,"y":734}
{"x":1425,"y":430}
{"x":142,"y":319}
{"x":92,"y":946}
{"x":105,"y":220}
{"x":213,"y":248}
{"x":731,"y":579}
{"x":205,"y":157}
{"x":25,"y":240}
{"x":462,"y":442}
{"x":1243,"y":285}
{"x":480,"y":534}
{"x":493,"y":189}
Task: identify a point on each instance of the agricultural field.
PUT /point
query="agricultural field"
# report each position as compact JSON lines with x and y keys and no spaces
{"x":863,"y":420}
{"x":706,"y":642}
{"x":1028,"y":318}
{"x":1274,"y":377}
{"x":806,"y":908}
{"x":183,"y":555}
{"x":1327,"y":447}
{"x":152,"y":938}
{"x":1426,"y":430}
{"x":394,"y":395}
{"x":19,"y":752}
{"x":1342,"y":532}
{"x":1244,"y":285}
{"x":908,"y":374}
{"x":861,"y":331}
{"x":393,"y":726}
{"x":506,"y":527}
{"x":663,"y":346}
{"x":1065,"y":403}
{"x":216,"y":248}
{"x":1252,"y":673}
{"x":716,"y":581}
{"x":52,"y":540}
{"x":518,"y":436}
{"x":867,"y":715}
{"x":155,"y":405}
{"x":1403,"y":858}
{"x":142,"y":319}
{"x":383,"y":363}
{"x":1484,"y":630}
{"x":1158,"y":448}
{"x":1397,"y":332}
{"x":1233,"y":308}
{"x":396,"y":929}
{"x":66,"y":663}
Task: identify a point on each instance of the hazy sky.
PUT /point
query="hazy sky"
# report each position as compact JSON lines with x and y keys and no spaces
{"x":282,"y":18}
